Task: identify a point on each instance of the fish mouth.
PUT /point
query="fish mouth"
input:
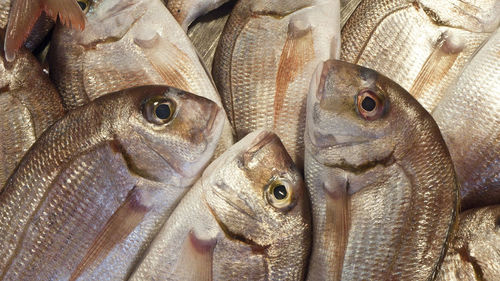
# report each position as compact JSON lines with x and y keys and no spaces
{"x":329,"y":141}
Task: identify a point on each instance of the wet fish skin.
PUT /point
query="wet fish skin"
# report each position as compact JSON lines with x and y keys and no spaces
{"x":226,"y":227}
{"x":264,"y":62}
{"x":95,"y":187}
{"x":387,"y":165}
{"x":474,"y":251}
{"x":469,"y":118}
{"x":205,"y":32}
{"x":23,"y":14}
{"x":29,"y":104}
{"x":186,"y":11}
{"x":421,"y":45}
{"x":86,"y":65}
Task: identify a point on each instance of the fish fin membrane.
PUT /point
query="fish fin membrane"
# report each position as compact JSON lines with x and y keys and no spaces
{"x":126,"y":218}
{"x":195,"y":262}
{"x":24,"y":14}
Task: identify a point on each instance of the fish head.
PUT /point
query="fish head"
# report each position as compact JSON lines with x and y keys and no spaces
{"x":258,"y":197}
{"x":354,"y":112}
{"x":166,"y":133}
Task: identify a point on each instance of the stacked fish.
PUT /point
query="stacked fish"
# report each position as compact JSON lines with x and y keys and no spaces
{"x":250,"y":140}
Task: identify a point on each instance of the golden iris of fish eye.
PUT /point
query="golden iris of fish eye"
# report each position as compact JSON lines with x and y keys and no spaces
{"x":84,"y":5}
{"x":279,"y":203}
{"x":151,"y":106}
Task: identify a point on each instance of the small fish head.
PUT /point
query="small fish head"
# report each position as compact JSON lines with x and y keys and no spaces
{"x":168,"y":134}
{"x":353,"y":110}
{"x":258,"y":197}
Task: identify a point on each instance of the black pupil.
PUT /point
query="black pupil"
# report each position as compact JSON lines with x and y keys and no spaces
{"x":163,"y":111}
{"x":368,"y":104}
{"x":280,"y":192}
{"x":82,"y":4}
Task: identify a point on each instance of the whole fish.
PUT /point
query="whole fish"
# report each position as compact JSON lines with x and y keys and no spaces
{"x":205,"y":32}
{"x":29,"y":104}
{"x":469,"y":119}
{"x":146,"y":47}
{"x":264,"y":63}
{"x":20,"y":17}
{"x":474,"y":253}
{"x":382,"y":185}
{"x":186,"y":11}
{"x":92,"y":191}
{"x":421,"y":45}
{"x":246,"y":218}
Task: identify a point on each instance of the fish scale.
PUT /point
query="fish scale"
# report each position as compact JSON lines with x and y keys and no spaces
{"x":56,"y":225}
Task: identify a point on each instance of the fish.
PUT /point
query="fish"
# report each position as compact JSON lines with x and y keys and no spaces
{"x":264,"y":62}
{"x":383,"y":189}
{"x":469,"y":119}
{"x":247,"y":217}
{"x":147,"y":47}
{"x":29,"y":104}
{"x":421,"y":45}
{"x":21,"y":17}
{"x":475,"y":249}
{"x":205,"y":32}
{"x":92,"y":191}
{"x":187,"y":11}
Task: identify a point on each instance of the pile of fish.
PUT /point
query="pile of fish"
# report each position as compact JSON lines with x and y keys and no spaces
{"x":250,"y":140}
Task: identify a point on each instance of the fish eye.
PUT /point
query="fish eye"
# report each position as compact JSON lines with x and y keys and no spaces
{"x":279,"y":194}
{"x":369,"y":105}
{"x":84,"y":5}
{"x":158,"y":110}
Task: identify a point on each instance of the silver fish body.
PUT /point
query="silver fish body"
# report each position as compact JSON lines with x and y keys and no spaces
{"x":474,"y":251}
{"x":469,"y":119}
{"x":29,"y":104}
{"x":95,"y":187}
{"x":264,"y":63}
{"x":421,"y":45}
{"x":147,"y":47}
{"x":247,"y":218}
{"x":382,"y":185}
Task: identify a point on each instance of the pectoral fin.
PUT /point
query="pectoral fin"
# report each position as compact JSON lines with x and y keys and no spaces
{"x":195,"y":262}
{"x":24,"y":14}
{"x":337,"y":226}
{"x":119,"y":226}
